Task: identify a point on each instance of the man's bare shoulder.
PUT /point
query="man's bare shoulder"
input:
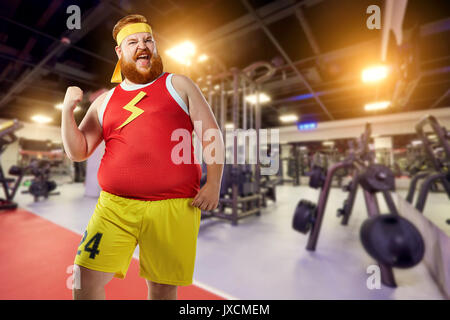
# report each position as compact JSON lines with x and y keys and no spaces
{"x":99,"y":100}
{"x":182,"y":82}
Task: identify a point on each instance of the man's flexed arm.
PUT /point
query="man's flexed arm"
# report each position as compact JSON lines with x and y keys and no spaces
{"x":80,"y":142}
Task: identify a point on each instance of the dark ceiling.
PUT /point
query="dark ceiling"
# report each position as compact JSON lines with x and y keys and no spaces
{"x":326,"y":40}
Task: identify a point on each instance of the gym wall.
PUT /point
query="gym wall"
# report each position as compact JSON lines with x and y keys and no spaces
{"x":394,"y":124}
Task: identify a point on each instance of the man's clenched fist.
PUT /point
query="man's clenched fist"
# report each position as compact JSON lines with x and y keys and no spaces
{"x":73,"y":96}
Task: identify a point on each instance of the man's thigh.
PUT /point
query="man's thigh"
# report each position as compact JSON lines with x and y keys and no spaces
{"x":110,"y":237}
{"x":168,"y":240}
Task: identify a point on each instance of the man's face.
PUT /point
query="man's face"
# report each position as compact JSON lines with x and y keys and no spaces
{"x":140,"y":62}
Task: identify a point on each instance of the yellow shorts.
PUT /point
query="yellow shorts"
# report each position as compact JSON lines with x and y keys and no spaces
{"x":166,"y":231}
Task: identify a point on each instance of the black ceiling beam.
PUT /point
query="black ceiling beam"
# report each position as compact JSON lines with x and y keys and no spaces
{"x":307,"y":30}
{"x":49,"y":12}
{"x":70,"y":45}
{"x":91,"y":19}
{"x":286,"y":57}
{"x":48,"y":69}
{"x":269,"y":13}
{"x":440,"y":99}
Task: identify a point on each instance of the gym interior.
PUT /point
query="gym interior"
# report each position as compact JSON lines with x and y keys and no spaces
{"x":340,"y":110}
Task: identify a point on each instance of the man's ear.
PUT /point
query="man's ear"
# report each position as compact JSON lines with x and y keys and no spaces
{"x":118,"y":52}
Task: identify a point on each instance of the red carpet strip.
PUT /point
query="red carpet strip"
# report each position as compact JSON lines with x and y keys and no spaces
{"x":36,"y":260}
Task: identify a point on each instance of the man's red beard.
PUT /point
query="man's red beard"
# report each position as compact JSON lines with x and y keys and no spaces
{"x":130,"y":71}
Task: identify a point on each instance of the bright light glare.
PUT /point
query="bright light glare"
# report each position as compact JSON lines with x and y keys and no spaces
{"x":377,"y":105}
{"x":41,"y":119}
{"x":288,"y":118}
{"x":183,"y":52}
{"x":229,"y":126}
{"x":328,"y":143}
{"x":262,"y":98}
{"x":374,"y":74}
{"x":202,"y":58}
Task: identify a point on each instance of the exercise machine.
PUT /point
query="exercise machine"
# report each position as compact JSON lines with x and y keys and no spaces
{"x":388,"y":238}
{"x":10,"y":185}
{"x":41,"y":185}
{"x":243,"y":191}
{"x":440,"y":172}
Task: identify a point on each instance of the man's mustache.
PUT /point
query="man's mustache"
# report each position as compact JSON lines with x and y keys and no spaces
{"x":145,"y":52}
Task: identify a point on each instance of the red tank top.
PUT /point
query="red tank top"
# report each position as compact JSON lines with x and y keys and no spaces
{"x":137,"y":161}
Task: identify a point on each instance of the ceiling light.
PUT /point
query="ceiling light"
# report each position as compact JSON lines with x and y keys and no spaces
{"x":41,"y":119}
{"x":262,"y":98}
{"x":374,"y":74}
{"x":202,"y":58}
{"x":183,"y":52}
{"x":288,"y":118}
{"x":377,"y":105}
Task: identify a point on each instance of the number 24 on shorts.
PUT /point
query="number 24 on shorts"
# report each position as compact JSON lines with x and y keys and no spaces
{"x":94,"y":241}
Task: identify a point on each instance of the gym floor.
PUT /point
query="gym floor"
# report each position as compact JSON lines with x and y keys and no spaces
{"x":261,"y":258}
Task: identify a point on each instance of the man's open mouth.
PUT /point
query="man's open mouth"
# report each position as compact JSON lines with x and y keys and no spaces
{"x":143,"y":56}
{"x":143,"y":60}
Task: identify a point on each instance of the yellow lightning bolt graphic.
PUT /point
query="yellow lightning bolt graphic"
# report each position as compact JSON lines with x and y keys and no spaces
{"x":135,"y":111}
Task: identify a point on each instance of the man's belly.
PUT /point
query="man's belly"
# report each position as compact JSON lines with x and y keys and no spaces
{"x":158,"y":180}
